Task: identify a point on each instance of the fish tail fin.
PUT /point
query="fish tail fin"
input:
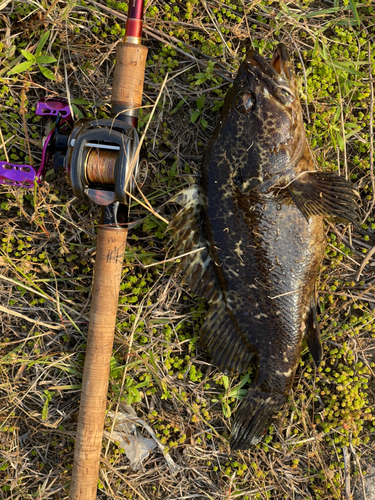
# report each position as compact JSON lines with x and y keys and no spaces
{"x":253,"y":418}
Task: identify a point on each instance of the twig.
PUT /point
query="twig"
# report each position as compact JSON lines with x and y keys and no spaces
{"x":175,"y":258}
{"x":371,"y":135}
{"x":359,"y":468}
{"x":22,"y":111}
{"x":343,"y":253}
{"x":50,"y":9}
{"x":4,"y":148}
{"x":364,"y":262}
{"x":347,"y":473}
{"x":254,"y":492}
{"x":282,"y":294}
{"x":26,"y":318}
{"x":67,"y":87}
{"x":350,"y":295}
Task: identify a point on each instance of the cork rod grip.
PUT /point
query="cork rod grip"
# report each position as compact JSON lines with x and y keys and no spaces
{"x":128,"y":78}
{"x":107,"y":277}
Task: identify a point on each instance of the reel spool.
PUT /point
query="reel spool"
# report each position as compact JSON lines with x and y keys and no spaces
{"x":101,"y":161}
{"x":100,"y":170}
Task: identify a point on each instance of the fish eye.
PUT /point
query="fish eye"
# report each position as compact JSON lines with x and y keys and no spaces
{"x":245,"y":101}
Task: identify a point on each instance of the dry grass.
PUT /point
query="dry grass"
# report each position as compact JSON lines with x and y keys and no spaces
{"x":48,"y":250}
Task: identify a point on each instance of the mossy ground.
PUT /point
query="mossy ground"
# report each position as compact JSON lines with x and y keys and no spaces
{"x":325,"y":434}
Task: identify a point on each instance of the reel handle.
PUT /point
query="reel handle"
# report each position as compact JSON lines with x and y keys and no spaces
{"x":14,"y":174}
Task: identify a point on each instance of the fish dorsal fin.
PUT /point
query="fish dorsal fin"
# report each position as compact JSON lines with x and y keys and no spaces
{"x":219,"y":334}
{"x":197,"y":265}
{"x":326,"y":194}
{"x":312,"y":334}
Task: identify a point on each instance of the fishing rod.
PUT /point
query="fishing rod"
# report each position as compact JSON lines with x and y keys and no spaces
{"x":100,"y":159}
{"x":112,"y":165}
{"x":108,"y":165}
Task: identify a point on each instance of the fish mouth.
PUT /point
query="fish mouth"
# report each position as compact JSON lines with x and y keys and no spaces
{"x":277,"y":76}
{"x":281,"y":62}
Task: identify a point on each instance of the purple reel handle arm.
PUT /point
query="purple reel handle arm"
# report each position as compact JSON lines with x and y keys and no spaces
{"x":53,"y":107}
{"x":13,"y":174}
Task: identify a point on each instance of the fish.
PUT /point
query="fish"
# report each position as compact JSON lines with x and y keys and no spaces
{"x":253,"y":229}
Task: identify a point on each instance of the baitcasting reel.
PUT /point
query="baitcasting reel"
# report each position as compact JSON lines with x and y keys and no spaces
{"x":99,"y":156}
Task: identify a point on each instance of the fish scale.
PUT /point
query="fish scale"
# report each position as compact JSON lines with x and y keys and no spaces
{"x":253,"y":228}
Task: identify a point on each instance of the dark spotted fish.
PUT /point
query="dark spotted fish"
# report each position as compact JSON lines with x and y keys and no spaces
{"x":255,"y":223}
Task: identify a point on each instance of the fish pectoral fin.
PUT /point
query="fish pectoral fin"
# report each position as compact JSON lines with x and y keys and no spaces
{"x":224,"y":341}
{"x":312,"y":334}
{"x":326,"y":194}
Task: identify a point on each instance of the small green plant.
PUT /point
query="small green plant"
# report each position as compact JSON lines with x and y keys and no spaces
{"x":48,"y":397}
{"x":233,"y":393}
{"x":130,"y":392}
{"x":207,"y":75}
{"x":198,"y":113}
{"x":36,"y":58}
